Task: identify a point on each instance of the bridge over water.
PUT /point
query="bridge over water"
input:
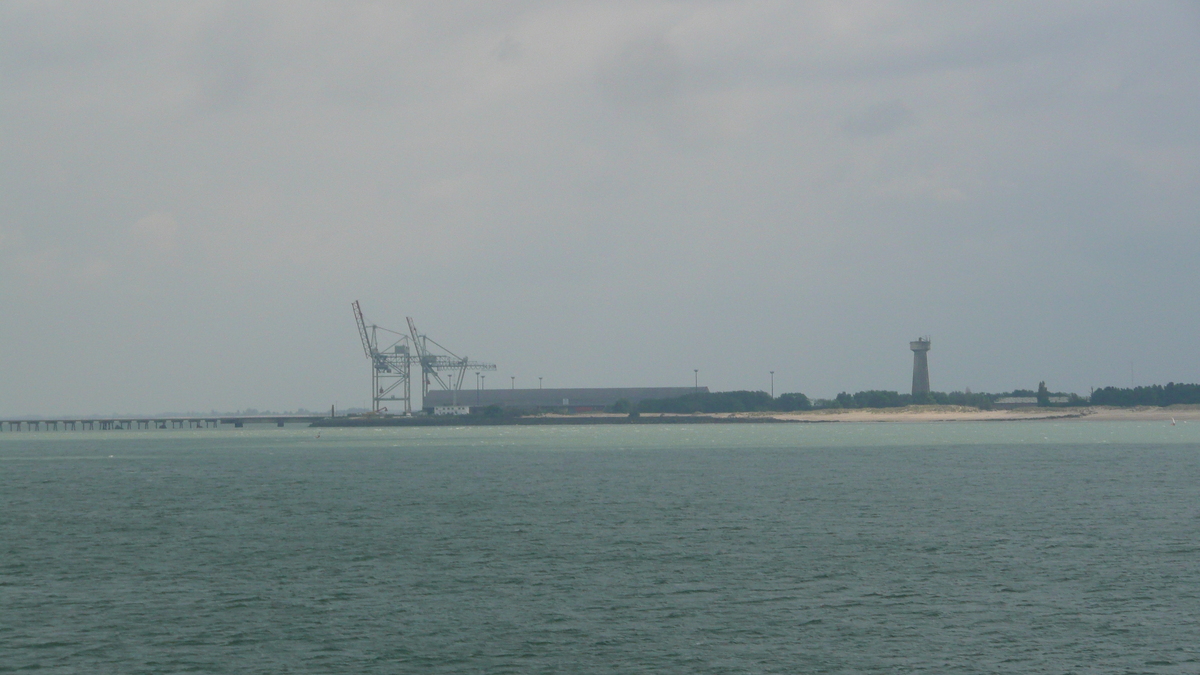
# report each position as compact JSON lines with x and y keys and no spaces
{"x":114,"y":423}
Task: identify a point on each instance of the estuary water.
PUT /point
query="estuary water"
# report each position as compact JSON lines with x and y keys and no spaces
{"x":1016,"y":547}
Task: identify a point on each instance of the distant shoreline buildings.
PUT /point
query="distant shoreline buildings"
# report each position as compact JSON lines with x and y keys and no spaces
{"x":574,"y":400}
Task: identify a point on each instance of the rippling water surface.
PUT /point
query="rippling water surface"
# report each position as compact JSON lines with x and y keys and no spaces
{"x":1037,"y":547}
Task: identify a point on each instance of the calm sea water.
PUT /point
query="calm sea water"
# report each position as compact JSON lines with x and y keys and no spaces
{"x":1041,"y":547}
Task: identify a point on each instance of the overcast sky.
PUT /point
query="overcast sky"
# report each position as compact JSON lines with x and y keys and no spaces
{"x":597,"y":193}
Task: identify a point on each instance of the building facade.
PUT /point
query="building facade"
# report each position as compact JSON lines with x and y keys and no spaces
{"x":563,"y":400}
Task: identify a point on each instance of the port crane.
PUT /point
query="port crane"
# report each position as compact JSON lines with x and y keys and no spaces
{"x":390,"y":364}
{"x":392,"y":355}
{"x":434,"y":365}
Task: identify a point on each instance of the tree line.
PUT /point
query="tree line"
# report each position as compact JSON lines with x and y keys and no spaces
{"x":760,"y":401}
{"x":1155,"y":395}
{"x":718,"y":401}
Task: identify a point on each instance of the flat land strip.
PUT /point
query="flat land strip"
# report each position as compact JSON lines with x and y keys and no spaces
{"x":949,"y":413}
{"x":921,"y":413}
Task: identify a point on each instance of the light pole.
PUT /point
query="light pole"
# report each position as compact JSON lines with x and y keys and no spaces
{"x":696,"y":385}
{"x":483,"y":379}
{"x":476,"y":388}
{"x":772,"y":385}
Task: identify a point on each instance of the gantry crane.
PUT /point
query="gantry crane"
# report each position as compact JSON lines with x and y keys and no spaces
{"x":434,"y":365}
{"x":391,"y":363}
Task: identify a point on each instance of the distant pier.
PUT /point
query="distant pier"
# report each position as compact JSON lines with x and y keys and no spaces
{"x":129,"y":423}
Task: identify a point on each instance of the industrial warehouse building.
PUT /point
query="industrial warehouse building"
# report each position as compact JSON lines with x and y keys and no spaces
{"x":569,"y":400}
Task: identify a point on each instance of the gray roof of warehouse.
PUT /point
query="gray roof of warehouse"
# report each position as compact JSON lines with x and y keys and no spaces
{"x":549,"y":398}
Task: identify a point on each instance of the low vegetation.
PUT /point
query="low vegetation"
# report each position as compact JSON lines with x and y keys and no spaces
{"x":1155,"y":395}
{"x":759,"y":401}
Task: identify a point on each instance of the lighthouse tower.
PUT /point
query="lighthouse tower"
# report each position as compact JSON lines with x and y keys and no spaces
{"x":920,"y":349}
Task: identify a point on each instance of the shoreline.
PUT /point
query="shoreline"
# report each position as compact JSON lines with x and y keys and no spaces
{"x":910,"y":414}
{"x":964,"y":414}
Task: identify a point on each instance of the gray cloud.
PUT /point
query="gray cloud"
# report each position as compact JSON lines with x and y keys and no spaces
{"x":646,"y":70}
{"x":879,"y":119}
{"x":597,"y":193}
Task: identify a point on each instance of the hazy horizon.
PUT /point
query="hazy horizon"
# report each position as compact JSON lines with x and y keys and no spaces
{"x":601,"y":194}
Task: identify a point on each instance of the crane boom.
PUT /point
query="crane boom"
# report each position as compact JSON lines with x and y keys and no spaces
{"x":427,"y":362}
{"x":433,"y":365}
{"x":418,"y":343}
{"x":368,"y":348}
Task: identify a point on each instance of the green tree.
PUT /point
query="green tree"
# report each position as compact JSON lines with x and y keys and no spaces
{"x":794,"y":401}
{"x":1043,"y":394}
